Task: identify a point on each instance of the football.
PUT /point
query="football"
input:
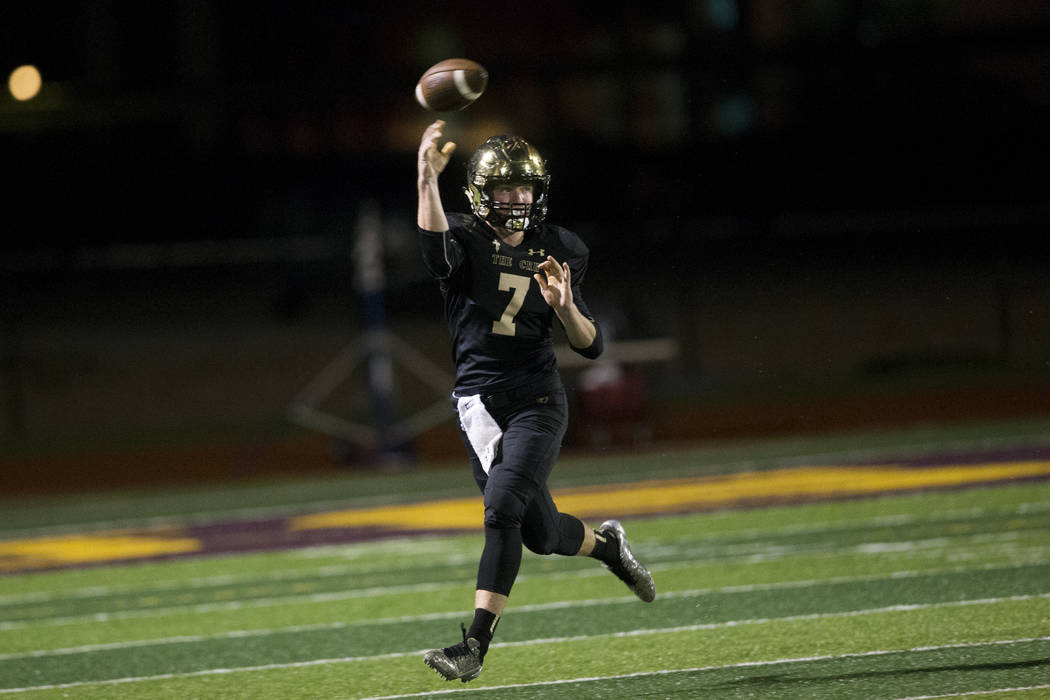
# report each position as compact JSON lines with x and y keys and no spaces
{"x":451,"y":85}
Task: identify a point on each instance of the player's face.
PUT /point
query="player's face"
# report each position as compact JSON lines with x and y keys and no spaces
{"x":510,"y":193}
{"x":511,"y":198}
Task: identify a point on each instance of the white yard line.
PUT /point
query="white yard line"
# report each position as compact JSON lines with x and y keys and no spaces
{"x":536,"y":607}
{"x":744,"y":664}
{"x":553,"y":640}
{"x":277,"y":575}
{"x":335,"y":596}
{"x":327,"y":597}
{"x":540,"y":607}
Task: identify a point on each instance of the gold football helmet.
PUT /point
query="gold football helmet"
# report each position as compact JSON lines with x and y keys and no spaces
{"x":508,"y":160}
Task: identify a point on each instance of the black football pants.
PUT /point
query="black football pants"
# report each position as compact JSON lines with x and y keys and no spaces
{"x":519,"y":509}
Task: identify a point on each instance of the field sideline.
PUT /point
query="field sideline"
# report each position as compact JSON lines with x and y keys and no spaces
{"x":906,"y":564}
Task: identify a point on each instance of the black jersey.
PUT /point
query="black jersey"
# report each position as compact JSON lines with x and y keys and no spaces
{"x":499,"y":321}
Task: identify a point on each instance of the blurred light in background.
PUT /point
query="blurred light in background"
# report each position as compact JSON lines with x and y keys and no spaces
{"x":24,"y":83}
{"x":734,"y":114}
{"x":723,"y":14}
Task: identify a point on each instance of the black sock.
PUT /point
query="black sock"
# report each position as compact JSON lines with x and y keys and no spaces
{"x":483,"y":627}
{"x":606,"y":548}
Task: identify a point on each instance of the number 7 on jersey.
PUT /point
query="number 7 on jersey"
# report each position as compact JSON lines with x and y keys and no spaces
{"x":518,"y":285}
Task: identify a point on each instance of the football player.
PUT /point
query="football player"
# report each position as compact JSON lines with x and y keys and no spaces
{"x":505,"y":275}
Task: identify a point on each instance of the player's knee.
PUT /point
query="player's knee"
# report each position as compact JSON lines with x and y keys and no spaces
{"x":501,"y":520}
{"x":505,"y":507}
{"x":504,"y":512}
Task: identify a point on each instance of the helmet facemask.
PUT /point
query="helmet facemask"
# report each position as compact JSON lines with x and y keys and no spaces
{"x":507,"y":160}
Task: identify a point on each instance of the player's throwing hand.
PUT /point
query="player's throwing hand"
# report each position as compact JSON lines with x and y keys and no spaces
{"x":431,"y":160}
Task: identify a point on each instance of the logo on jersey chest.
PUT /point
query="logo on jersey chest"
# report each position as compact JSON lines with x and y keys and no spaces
{"x":542,"y":252}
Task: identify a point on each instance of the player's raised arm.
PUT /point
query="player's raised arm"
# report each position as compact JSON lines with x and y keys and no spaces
{"x":432,"y":161}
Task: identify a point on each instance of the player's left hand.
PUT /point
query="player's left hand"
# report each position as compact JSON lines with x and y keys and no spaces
{"x":555,"y":282}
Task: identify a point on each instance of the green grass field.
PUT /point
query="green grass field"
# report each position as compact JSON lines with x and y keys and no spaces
{"x":923,"y":594}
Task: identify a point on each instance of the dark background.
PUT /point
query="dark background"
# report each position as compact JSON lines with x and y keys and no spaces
{"x":812,"y":199}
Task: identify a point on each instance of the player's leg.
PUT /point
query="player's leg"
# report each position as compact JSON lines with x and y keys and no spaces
{"x":530,"y":444}
{"x":545,"y":530}
{"x":463,"y":660}
{"x":531,"y":438}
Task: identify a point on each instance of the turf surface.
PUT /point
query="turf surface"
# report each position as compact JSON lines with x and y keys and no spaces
{"x":935,"y":593}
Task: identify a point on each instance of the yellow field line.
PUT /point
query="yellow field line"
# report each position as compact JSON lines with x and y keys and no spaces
{"x":630,"y":499}
{"x":677,"y":495}
{"x":65,"y":550}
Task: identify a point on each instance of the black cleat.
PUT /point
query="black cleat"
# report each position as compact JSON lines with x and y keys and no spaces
{"x":462,"y":661}
{"x":629,"y":570}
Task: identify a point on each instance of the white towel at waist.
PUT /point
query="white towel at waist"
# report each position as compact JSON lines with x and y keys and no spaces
{"x":481,"y":429}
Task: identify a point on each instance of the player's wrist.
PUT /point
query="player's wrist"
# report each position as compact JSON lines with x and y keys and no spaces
{"x":566,"y":313}
{"x":427,"y":188}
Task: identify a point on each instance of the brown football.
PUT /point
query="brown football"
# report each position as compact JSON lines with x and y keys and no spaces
{"x":451,"y":84}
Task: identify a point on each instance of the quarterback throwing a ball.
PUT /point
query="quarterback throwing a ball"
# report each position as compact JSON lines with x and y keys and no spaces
{"x":505,"y":275}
